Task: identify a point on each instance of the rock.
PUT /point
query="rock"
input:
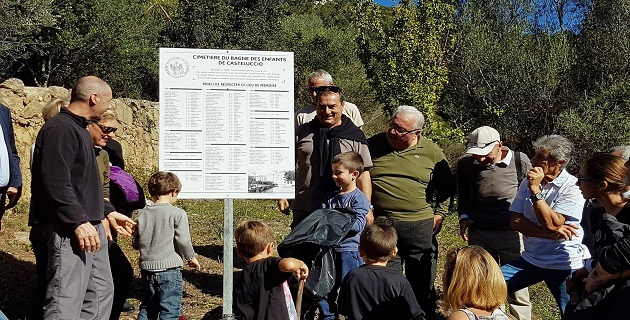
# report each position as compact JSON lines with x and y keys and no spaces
{"x":14,"y":84}
{"x":36,"y":94}
{"x":11,"y":100}
{"x":59,"y":93}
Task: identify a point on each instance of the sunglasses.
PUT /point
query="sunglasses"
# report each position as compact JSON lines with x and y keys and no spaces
{"x":106,"y":129}
{"x":327,"y":88}
{"x":580,"y":179}
{"x":474,"y":144}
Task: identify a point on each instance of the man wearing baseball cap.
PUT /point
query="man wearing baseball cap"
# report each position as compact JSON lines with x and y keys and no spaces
{"x":488,"y":178}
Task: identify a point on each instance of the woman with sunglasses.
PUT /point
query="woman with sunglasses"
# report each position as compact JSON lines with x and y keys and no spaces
{"x":600,"y":289}
{"x":122,"y":271}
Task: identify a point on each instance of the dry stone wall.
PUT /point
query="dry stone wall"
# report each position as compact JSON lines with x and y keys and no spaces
{"x":138,"y":125}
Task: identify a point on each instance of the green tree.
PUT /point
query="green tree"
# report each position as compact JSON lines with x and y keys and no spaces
{"x":404,"y":56}
{"x":507,"y":73}
{"x":334,"y":49}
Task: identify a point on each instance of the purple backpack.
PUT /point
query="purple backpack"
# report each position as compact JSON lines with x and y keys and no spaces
{"x":125,"y":182}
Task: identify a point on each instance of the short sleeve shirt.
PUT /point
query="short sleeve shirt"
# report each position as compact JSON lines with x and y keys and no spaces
{"x":564,"y":197}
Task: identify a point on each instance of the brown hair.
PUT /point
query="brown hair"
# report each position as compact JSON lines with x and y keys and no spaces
{"x":472,"y":279}
{"x":350,"y":160}
{"x":378,"y":241}
{"x":609,"y":168}
{"x":53,"y":107}
{"x":252,"y":237}
{"x":162,"y":183}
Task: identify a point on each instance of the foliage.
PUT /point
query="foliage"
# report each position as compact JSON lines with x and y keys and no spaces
{"x":505,"y":75}
{"x":331,"y":48}
{"x":405,"y":58}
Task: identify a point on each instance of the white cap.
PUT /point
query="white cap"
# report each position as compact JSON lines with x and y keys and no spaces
{"x":482,"y":140}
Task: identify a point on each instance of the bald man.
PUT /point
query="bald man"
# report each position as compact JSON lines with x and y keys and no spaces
{"x":66,"y":210}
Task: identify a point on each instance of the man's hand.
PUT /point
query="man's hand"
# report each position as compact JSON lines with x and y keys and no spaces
{"x":194,"y":264}
{"x":13,"y":194}
{"x":369,"y":217}
{"x":535,"y":177}
{"x":88,"y":238}
{"x":463,"y":227}
{"x":566,"y":231}
{"x":122,"y":224}
{"x":283,"y":206}
{"x":437,"y":223}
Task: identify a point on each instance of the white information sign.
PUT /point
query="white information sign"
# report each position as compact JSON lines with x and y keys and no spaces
{"x":226,"y":122}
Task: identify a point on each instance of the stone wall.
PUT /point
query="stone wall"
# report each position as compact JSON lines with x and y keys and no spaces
{"x":138,"y":119}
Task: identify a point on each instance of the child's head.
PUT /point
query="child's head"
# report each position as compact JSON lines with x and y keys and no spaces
{"x":347,"y":167}
{"x":164,"y":183}
{"x":378,"y":243}
{"x":472,"y":279}
{"x":252,"y":238}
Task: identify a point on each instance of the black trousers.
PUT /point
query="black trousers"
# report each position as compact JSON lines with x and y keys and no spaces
{"x":122,"y":273}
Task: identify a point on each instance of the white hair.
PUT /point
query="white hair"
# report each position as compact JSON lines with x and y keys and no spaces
{"x":623,"y":150}
{"x":413,"y":114}
{"x":321,"y":74}
{"x":558,"y":146}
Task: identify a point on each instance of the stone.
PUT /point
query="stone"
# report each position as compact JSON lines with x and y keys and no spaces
{"x":13,"y":84}
{"x":59,"y":93}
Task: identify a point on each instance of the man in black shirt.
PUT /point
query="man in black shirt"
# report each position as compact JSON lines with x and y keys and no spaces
{"x":67,"y":209}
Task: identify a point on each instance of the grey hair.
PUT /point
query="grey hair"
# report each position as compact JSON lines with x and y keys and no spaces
{"x":321,"y":74}
{"x":560,"y":148}
{"x":623,"y":150}
{"x":413,"y":114}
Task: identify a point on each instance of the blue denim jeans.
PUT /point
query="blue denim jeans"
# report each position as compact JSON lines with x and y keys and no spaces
{"x":520,"y":274}
{"x":161,"y":295}
{"x":344,"y":261}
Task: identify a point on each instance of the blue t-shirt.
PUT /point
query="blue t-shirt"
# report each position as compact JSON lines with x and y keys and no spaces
{"x":361,"y":205}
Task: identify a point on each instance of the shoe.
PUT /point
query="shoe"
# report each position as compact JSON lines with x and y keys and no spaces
{"x":128,"y":307}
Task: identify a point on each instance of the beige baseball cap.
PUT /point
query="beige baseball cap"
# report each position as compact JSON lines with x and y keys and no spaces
{"x":482,"y":140}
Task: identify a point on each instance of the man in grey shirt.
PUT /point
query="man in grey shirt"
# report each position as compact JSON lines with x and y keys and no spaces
{"x":488,"y":179}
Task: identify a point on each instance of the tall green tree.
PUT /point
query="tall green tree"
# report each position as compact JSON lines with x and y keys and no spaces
{"x":507,"y":73}
{"x":404,"y":56}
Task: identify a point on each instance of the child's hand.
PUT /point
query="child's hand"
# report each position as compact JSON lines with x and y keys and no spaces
{"x":593,"y":282}
{"x":194,"y":264}
{"x":302,"y":272}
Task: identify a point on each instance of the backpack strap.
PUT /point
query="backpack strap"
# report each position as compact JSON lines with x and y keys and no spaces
{"x":519,"y":167}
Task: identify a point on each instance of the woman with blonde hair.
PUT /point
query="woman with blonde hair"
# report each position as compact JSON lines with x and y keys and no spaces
{"x":474,"y":287}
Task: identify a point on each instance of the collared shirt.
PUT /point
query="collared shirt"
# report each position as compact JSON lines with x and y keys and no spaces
{"x":565,"y":198}
{"x":5,"y":173}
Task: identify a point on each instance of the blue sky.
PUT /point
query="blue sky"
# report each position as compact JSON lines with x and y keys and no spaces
{"x":385,"y":2}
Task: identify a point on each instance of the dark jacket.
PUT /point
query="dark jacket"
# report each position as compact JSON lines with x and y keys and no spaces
{"x":9,"y":138}
{"x":66,"y":187}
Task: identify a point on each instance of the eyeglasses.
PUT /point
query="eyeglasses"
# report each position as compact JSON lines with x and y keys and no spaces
{"x":399,"y":130}
{"x":321,"y":89}
{"x":471,"y":144}
{"x":106,"y":129}
{"x":580,"y":179}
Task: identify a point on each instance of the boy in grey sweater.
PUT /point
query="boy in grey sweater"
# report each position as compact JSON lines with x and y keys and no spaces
{"x":163,"y":238}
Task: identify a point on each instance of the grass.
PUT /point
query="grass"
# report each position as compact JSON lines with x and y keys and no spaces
{"x":204,"y":289}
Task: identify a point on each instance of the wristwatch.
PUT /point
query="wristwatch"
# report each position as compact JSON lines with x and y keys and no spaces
{"x":537,"y":196}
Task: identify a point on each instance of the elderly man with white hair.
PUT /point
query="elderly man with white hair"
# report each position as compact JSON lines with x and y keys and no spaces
{"x":411,"y":180}
{"x":547,"y":210}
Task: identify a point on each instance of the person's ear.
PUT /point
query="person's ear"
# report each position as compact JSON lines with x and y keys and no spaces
{"x":361,"y":252}
{"x":395,"y":252}
{"x":94,"y":99}
{"x":269,"y":248}
{"x":355,"y":175}
{"x":603,"y":185}
{"x":562,"y":163}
